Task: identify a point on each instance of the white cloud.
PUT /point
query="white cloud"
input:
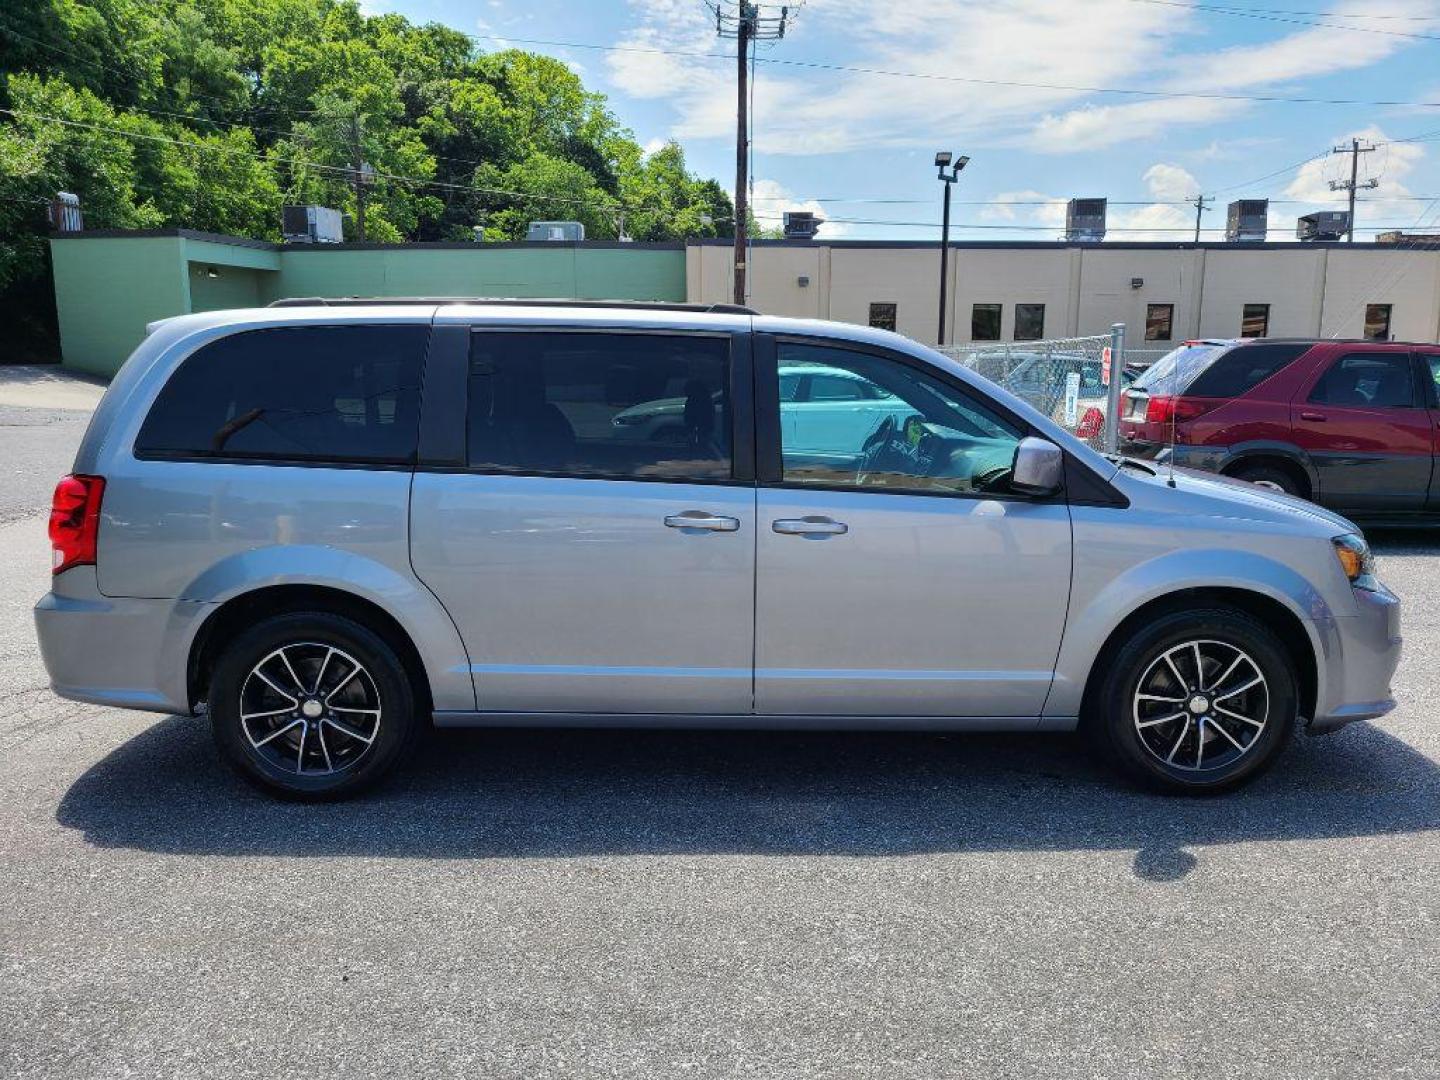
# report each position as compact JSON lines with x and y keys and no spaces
{"x":1170,"y":183}
{"x":654,"y":146}
{"x":1012,"y":206}
{"x":772,"y":199}
{"x":811,"y":110}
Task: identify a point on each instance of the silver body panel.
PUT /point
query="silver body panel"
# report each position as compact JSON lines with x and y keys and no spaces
{"x":898,"y":615}
{"x":549,"y":600}
{"x":574,"y":596}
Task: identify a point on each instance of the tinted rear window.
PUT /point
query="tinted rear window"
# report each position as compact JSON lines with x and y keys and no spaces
{"x":1242,"y":369}
{"x":1177,"y":369}
{"x":642,"y":406}
{"x":310,"y":393}
{"x":1217,"y":370}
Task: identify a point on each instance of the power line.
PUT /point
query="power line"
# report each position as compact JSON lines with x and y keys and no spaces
{"x":1320,"y":14}
{"x":932,"y":76}
{"x":1046,"y":228}
{"x":1264,"y":16}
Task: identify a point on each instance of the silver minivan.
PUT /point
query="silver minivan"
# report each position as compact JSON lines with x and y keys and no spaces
{"x":327,"y":524}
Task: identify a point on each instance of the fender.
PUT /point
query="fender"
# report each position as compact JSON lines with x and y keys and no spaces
{"x":1098,"y":615}
{"x":404,"y":598}
{"x":1219,"y":459}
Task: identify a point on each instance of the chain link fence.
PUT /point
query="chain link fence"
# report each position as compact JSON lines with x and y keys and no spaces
{"x":1061,"y":377}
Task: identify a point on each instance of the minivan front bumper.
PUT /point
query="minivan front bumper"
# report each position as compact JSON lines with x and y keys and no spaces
{"x":1366,"y":651}
{"x":121,"y":651}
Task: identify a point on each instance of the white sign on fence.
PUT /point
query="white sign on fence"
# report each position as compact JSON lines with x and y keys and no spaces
{"x":1072,"y":398}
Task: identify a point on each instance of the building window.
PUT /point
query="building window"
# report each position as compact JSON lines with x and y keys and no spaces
{"x":1159,"y":322}
{"x":882,"y":316}
{"x":1377,"y":322}
{"x":1029,"y":322}
{"x":985,"y":322}
{"x":1255,"y":320}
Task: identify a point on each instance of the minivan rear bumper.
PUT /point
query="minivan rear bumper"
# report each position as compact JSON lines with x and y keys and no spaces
{"x":121,"y":651}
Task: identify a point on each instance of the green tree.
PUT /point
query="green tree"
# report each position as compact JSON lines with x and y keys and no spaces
{"x":210,"y":114}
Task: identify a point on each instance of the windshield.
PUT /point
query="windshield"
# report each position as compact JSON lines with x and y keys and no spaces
{"x":1176,"y":370}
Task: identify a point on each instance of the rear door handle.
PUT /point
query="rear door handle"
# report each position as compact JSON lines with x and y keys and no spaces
{"x":1315,"y":417}
{"x":698,"y":519}
{"x":809,"y":526}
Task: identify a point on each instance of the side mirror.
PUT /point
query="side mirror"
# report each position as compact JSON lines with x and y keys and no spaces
{"x":1039,"y":467}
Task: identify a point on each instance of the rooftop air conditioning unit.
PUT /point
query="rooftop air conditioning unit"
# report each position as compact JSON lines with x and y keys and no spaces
{"x":1247,"y":220}
{"x":1085,"y":220}
{"x":801,"y":224}
{"x":556,"y":231}
{"x":1325,"y":225}
{"x":311,"y":225}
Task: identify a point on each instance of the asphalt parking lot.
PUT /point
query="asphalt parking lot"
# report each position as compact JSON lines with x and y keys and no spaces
{"x":704,"y":905}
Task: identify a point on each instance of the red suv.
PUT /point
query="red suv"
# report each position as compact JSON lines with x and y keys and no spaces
{"x":1352,"y":425}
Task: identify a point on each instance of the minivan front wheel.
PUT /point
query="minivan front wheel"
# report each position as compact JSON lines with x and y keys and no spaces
{"x":1197,"y":701}
{"x":311,"y":705}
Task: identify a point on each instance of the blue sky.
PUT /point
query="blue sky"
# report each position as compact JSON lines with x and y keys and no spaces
{"x":858,"y":146}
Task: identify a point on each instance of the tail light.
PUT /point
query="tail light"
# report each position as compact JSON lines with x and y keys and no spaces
{"x":75,"y":521}
{"x":1176,"y":410}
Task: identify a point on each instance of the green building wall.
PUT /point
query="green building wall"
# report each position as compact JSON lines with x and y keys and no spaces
{"x":108,"y":286}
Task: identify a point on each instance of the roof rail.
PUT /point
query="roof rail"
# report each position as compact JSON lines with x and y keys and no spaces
{"x":644,"y":305}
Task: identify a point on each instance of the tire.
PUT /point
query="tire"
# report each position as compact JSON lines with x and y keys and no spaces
{"x":266,"y":715}
{"x":1153,"y":674}
{"x":1271,"y":477}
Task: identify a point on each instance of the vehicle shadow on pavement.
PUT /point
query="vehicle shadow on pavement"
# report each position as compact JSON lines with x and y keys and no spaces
{"x":564,"y":793}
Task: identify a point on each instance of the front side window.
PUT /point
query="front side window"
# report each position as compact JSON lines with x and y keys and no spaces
{"x":633,"y":406}
{"x":303,"y":393}
{"x":1367,"y":381}
{"x":1377,"y":322}
{"x":1255,"y":320}
{"x":882,"y":316}
{"x":907,"y":431}
{"x":1159,"y":322}
{"x":985,"y":322}
{"x":1029,"y":322}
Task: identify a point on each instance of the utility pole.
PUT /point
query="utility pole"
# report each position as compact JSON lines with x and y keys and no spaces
{"x":746,"y":23}
{"x":1200,"y":208}
{"x":1354,"y":150}
{"x":357,"y":155}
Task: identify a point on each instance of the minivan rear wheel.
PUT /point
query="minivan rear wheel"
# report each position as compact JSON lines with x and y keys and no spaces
{"x":311,"y":705}
{"x":1196,"y":701}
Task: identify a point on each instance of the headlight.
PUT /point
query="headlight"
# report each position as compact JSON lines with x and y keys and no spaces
{"x":1356,"y":560}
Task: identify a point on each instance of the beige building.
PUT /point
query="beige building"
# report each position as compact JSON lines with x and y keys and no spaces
{"x":1163,"y":292}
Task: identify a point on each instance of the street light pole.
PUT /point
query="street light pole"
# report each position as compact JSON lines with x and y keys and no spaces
{"x":942,"y":160}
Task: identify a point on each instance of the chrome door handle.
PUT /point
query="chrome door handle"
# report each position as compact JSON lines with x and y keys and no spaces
{"x":698,"y":519}
{"x":809,"y":526}
{"x":1314,"y":417}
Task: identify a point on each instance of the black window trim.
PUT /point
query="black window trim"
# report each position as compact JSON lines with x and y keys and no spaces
{"x":444,"y":429}
{"x":1170,"y":320}
{"x":406,"y":463}
{"x":1029,"y":304}
{"x":999,"y":310}
{"x":1420,"y":372}
{"x":1265,"y":333}
{"x":768,"y":468}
